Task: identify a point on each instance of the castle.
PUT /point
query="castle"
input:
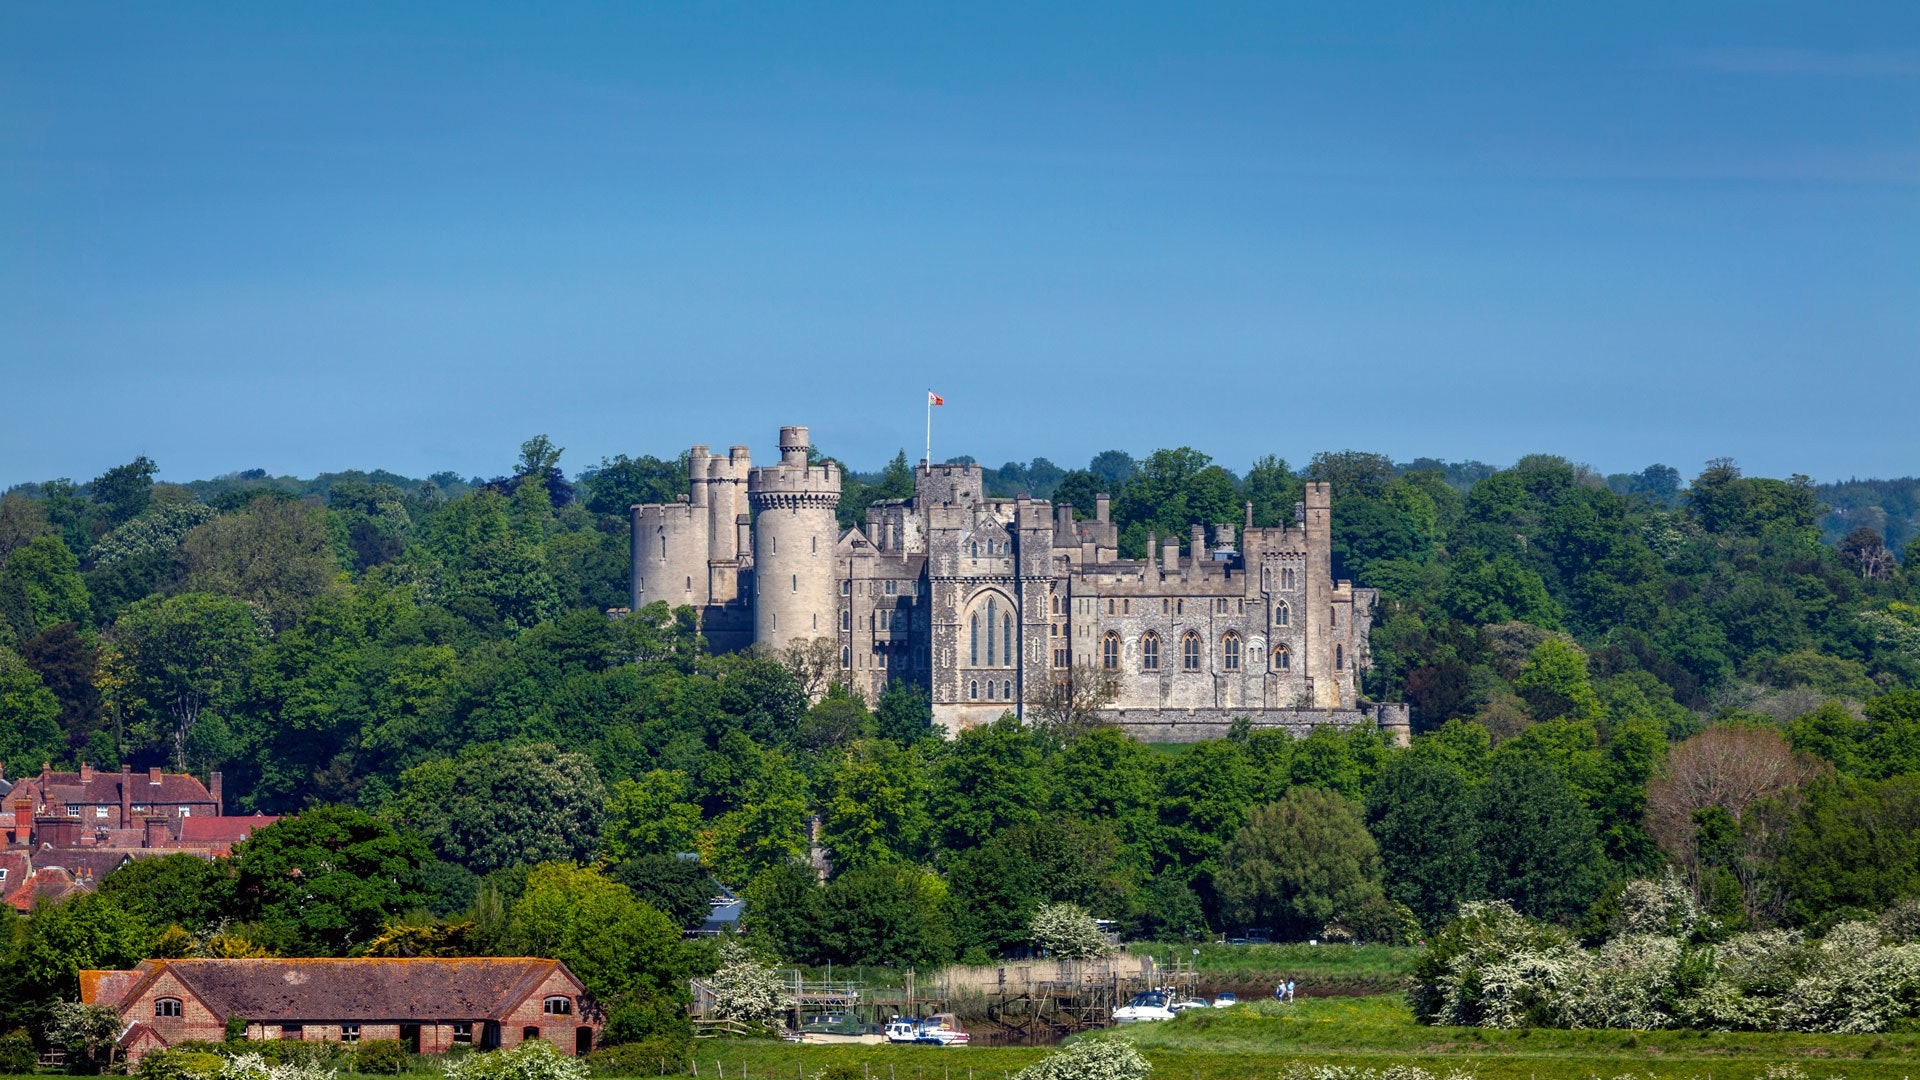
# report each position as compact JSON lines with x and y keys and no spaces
{"x":1000,"y":605}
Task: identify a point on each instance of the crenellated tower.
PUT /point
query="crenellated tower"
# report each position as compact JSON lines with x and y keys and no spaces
{"x":794,"y":534}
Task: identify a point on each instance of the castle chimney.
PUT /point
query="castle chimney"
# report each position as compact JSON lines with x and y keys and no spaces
{"x":1151,"y":552}
{"x":1249,"y":514}
{"x":1170,"y":555}
{"x":153,"y":775}
{"x":1196,"y":549}
{"x":1100,"y":503}
{"x":213,"y":787}
{"x":86,"y":773}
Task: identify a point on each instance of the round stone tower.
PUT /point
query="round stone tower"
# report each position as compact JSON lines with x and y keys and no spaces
{"x":794,"y":530}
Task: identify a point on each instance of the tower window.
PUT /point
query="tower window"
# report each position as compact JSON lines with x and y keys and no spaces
{"x":1230,"y":651}
{"x":993,"y":609}
{"x":846,"y":620}
{"x":1110,"y":606}
{"x":846,"y":588}
{"x":973,"y":658}
{"x":1282,"y":659}
{"x":1110,"y":652}
{"x":846,"y":657}
{"x":1339,"y":658}
{"x":1006,"y":640}
{"x":1282,"y":615}
{"x":1333,"y":617}
{"x":1126,"y":607}
{"x":1150,"y":652}
{"x":1190,"y":652}
{"x":815,"y":545}
{"x":795,"y":582}
{"x":1007,"y":689}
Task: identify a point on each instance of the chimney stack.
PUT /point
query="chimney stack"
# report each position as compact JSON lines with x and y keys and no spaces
{"x":153,"y":775}
{"x":1100,"y":505}
{"x":157,"y":833}
{"x":126,"y":796}
{"x":213,"y":788}
{"x":86,"y":773}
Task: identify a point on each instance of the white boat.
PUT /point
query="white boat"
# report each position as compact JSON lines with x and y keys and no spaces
{"x":938,"y":1030}
{"x":1151,"y":1005}
{"x":1189,"y":1003}
{"x":1224,"y":1001}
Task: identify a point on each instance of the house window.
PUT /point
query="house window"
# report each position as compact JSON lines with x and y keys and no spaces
{"x":1150,"y":652}
{"x":1230,"y":651}
{"x":1166,"y":605}
{"x":1240,"y":607}
{"x":349,"y":1033}
{"x":463,"y":1033}
{"x":1282,"y":615}
{"x":1220,"y":605}
{"x":1179,"y":607}
{"x":1339,"y":658}
{"x":1282,"y":659}
{"x":557,"y":1006}
{"x":166,"y":1007}
{"x":1110,"y":652}
{"x":1190,"y":652}
{"x":99,"y":811}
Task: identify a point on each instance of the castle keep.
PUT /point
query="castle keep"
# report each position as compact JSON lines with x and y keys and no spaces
{"x":999,"y":605}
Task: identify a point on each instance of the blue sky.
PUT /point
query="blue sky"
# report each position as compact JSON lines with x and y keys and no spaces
{"x":322,"y":236}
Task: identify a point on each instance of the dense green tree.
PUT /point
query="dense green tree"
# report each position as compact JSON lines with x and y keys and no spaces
{"x":1298,"y":865}
{"x":1106,"y":775}
{"x":184,"y":890}
{"x":323,"y":881}
{"x":496,"y":806}
{"x":678,"y":886}
{"x":1854,"y":850}
{"x":904,"y":713}
{"x":49,"y":949}
{"x":1205,"y":801}
{"x":984,"y":781}
{"x":1421,"y":814}
{"x":873,"y":796}
{"x":123,"y":491}
{"x":29,"y":714}
{"x":1538,"y":844}
{"x":886,"y":915}
{"x":276,"y":555}
{"x":650,"y":816}
{"x":67,"y":662}
{"x":1555,"y":685}
{"x":835,"y":720}
{"x":186,"y":653}
{"x":47,"y":576}
{"x":628,"y":954}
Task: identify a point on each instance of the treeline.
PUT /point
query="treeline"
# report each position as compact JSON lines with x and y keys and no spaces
{"x":437,"y":656}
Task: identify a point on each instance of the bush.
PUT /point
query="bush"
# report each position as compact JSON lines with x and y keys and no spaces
{"x":644,"y":1058}
{"x":17,"y":1054}
{"x":1105,"y":1059}
{"x":381,"y":1056}
{"x":180,"y":1064}
{"x":1067,"y":930}
{"x":535,"y":1059}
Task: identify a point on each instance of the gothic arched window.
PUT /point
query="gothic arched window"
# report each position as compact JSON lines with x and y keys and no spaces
{"x":1007,"y":688}
{"x":1282,"y":659}
{"x":973,"y":691}
{"x":1190,"y":652}
{"x":1339,"y":658}
{"x":974,"y":631}
{"x":1150,"y":652}
{"x":1230,"y":651}
{"x":1110,"y":652}
{"x":1006,"y":640}
{"x":1282,"y":615}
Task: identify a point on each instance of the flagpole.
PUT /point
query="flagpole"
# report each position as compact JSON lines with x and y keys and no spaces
{"x":929,"y":429}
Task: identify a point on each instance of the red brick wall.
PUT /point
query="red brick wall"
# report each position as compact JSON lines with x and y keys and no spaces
{"x":558,"y":1030}
{"x":195,"y":1021}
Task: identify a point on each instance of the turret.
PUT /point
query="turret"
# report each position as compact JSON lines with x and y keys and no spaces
{"x":1319,"y":573}
{"x":794,"y":532}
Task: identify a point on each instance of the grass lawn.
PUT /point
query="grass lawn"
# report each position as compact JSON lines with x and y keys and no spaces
{"x":1315,"y":969}
{"x":1253,"y":1042}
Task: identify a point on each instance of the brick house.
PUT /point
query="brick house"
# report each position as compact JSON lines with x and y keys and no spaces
{"x":430,"y":1005}
{"x":113,"y":801}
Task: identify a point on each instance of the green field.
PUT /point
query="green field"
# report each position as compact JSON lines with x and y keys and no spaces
{"x":1255,"y":1041}
{"x":1316,"y":970}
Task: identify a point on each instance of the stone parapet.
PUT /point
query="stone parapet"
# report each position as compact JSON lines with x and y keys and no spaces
{"x":1194,"y":725}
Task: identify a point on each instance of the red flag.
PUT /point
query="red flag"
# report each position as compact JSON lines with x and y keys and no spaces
{"x":935,"y":399}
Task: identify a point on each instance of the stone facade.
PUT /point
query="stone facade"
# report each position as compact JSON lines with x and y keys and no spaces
{"x":998,"y":604}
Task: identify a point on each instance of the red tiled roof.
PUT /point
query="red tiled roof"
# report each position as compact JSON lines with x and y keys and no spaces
{"x":108,"y":986}
{"x":67,"y":788}
{"x":289,"y":991}
{"x":48,"y":884}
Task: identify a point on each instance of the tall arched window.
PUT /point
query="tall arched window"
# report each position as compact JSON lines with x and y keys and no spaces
{"x":1282,"y":659}
{"x":1110,"y":652}
{"x":846,"y":657}
{"x":1286,"y":579}
{"x":1190,"y":652}
{"x":1150,"y":652}
{"x":1282,"y":615}
{"x":1007,"y":689}
{"x":973,"y":691}
{"x":846,"y":620}
{"x":1333,"y":616}
{"x":993,"y":616}
{"x":1230,"y":651}
{"x":1006,"y":640}
{"x":1339,"y":658}
{"x":974,"y":653}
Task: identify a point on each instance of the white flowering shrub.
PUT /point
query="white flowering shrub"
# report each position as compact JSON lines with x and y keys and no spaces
{"x":1492,"y":967}
{"x":1101,"y":1059}
{"x":251,"y":1066}
{"x":1067,"y":930}
{"x":1625,"y":983}
{"x":1855,"y":984}
{"x":1662,"y":907}
{"x":744,"y":988}
{"x":535,"y":1059}
{"x":1302,"y":1070}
